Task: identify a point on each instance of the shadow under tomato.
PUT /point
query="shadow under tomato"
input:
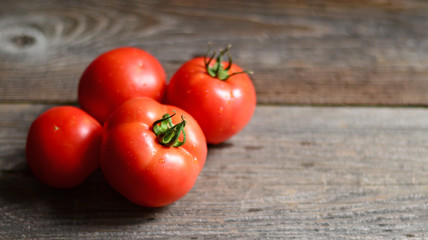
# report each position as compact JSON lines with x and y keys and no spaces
{"x":93,"y":203}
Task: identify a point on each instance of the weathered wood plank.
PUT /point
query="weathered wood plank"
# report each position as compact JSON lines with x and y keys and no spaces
{"x":294,"y":172}
{"x":302,"y":52}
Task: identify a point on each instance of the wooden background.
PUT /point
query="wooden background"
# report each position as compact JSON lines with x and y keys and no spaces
{"x":337,"y":148}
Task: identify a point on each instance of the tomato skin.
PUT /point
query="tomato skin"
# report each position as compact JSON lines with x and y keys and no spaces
{"x":222,"y":108}
{"x":117,"y":76}
{"x":136,"y":165}
{"x":62,"y":147}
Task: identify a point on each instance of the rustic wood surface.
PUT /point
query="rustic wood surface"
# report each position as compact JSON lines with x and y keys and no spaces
{"x":337,"y":148}
{"x":302,"y":52}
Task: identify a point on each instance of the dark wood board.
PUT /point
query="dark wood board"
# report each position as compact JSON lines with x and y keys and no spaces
{"x":294,"y":172}
{"x":302,"y":52}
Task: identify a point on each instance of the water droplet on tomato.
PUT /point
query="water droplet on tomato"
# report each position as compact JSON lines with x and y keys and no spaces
{"x":161,"y":160}
{"x":195,"y":160}
{"x":220,"y":110}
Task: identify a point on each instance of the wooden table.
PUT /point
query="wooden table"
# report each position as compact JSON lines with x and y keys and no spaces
{"x":337,"y":148}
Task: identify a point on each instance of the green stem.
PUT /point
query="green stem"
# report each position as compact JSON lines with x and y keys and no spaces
{"x":218,"y":70}
{"x":167,"y":133}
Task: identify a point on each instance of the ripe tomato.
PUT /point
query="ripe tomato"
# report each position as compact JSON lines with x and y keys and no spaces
{"x":62,"y":147}
{"x":151,"y":163}
{"x":119,"y":75}
{"x":222,"y":99}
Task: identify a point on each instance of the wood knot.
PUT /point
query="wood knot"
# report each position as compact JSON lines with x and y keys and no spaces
{"x":22,"y":41}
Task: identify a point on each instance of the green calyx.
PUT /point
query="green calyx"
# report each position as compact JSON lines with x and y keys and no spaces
{"x":218,"y":70}
{"x":167,"y":133}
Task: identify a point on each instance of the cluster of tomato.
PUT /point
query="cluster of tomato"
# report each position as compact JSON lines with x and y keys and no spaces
{"x":149,"y":137}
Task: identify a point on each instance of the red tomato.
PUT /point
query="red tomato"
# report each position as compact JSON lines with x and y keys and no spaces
{"x":222,"y":99}
{"x":117,"y":76}
{"x":63,"y":146}
{"x":138,"y":166}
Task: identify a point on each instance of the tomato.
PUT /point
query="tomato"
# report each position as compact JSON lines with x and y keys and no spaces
{"x":222,"y":99}
{"x":62,"y":147}
{"x":117,"y":76}
{"x":150,"y":163}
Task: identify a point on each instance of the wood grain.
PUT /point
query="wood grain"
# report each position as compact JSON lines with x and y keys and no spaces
{"x":302,"y":52}
{"x":294,"y":172}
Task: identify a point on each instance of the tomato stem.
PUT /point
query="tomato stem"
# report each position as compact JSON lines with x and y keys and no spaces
{"x":167,"y":133}
{"x":218,"y":70}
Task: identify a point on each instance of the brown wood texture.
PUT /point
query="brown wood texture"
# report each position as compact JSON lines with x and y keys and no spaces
{"x":337,"y":147}
{"x":302,"y":52}
{"x":304,"y":172}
